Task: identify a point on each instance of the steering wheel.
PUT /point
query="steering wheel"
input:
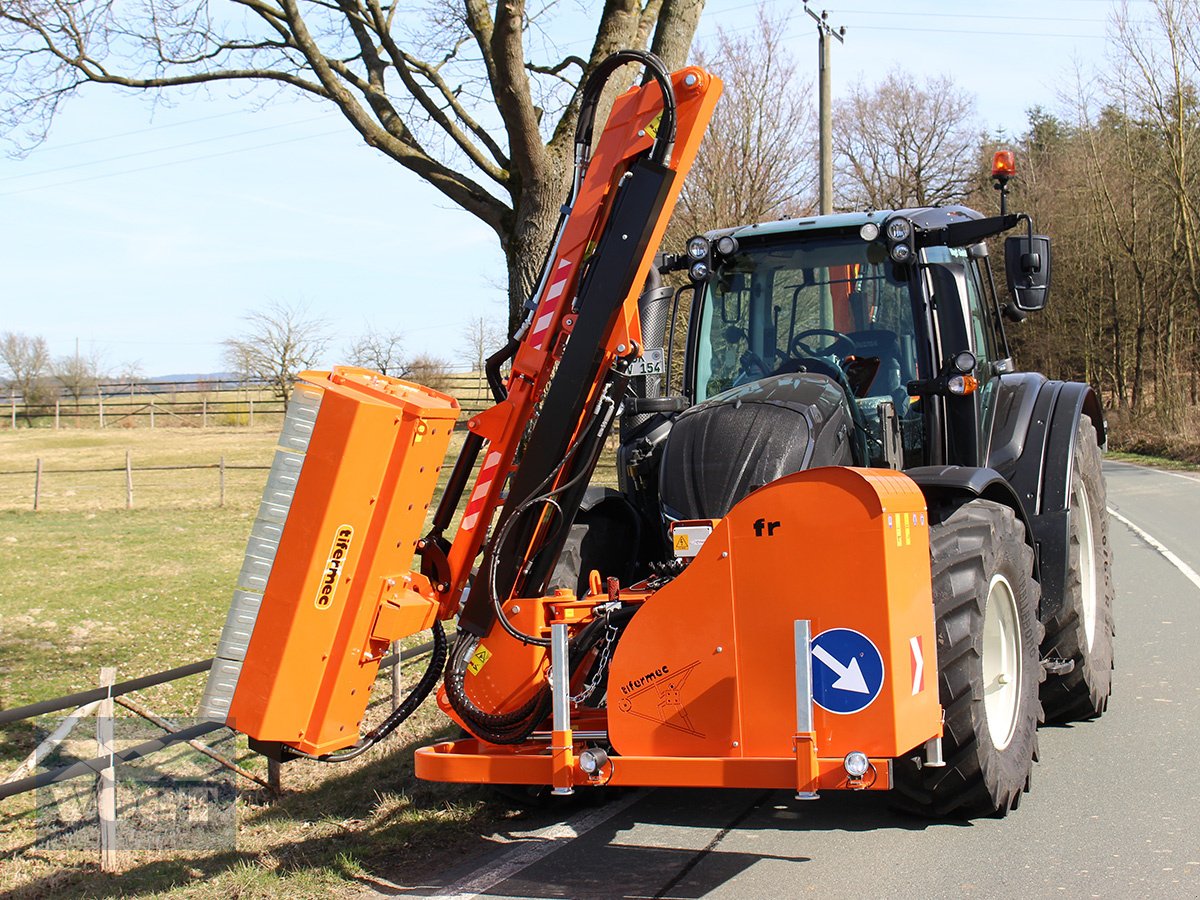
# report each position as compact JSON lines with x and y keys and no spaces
{"x":843,"y":345}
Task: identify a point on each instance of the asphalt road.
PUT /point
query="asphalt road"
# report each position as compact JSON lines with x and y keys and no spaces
{"x":1114,"y":811}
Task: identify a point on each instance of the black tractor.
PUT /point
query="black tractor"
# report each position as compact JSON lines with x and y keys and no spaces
{"x":877,"y":339}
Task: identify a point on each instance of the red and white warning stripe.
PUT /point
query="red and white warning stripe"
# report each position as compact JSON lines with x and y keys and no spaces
{"x":550,"y":304}
{"x":486,"y":476}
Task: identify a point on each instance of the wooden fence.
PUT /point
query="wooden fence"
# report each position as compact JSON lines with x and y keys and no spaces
{"x":196,"y":404}
{"x":100,"y":702}
{"x":42,"y":476}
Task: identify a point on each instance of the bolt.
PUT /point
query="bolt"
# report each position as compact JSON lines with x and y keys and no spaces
{"x":691,"y":81}
{"x":724,"y":553}
{"x":1003,"y":679}
{"x":736,"y":744}
{"x":720,"y":649}
{"x":620,"y":348}
{"x":642,"y":133}
{"x":391,"y":582}
{"x":515,"y":609}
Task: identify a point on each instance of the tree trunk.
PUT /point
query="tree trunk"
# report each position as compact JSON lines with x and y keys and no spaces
{"x":1139,"y":362}
{"x":676,"y":27}
{"x":537,"y":204}
{"x":536,"y":212}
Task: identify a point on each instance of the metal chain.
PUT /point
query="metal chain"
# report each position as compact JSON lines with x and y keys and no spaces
{"x":610,"y":640}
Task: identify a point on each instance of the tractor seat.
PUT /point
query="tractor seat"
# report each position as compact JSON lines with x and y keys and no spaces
{"x":884,"y":344}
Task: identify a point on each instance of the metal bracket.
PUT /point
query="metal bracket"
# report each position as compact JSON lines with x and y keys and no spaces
{"x":1054,"y":666}
{"x":805,"y":741}
{"x":560,"y":704}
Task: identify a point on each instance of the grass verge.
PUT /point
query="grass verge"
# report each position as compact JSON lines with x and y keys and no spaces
{"x":86,"y":583}
{"x":1158,"y":462}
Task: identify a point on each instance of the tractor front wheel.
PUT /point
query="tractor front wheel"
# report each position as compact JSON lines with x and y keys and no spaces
{"x":985,"y":601}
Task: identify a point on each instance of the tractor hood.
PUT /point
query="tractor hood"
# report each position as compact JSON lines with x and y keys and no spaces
{"x":739,"y":440}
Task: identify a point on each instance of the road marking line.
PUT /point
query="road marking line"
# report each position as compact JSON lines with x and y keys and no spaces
{"x":533,"y":847}
{"x":1188,"y":572}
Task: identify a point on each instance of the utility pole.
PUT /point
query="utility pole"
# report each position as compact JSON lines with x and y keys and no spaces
{"x":825,"y":31}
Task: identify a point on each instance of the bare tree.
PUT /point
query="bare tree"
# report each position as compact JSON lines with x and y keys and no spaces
{"x":26,"y":360}
{"x":431,"y":371}
{"x":448,"y":90}
{"x":758,"y":159}
{"x":78,"y":374}
{"x":904,"y":144}
{"x":481,"y":337}
{"x":381,"y":351}
{"x":279,"y":342}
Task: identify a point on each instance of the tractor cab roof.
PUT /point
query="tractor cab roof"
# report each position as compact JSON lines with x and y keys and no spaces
{"x":925,"y":218}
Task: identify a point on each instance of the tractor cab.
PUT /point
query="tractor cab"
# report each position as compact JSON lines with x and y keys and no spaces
{"x":870,"y":339}
{"x":817,"y":300}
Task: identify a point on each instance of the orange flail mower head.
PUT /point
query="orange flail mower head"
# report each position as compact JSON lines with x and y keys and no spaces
{"x":337,"y":588}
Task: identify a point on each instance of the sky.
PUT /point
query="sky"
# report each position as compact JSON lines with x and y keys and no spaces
{"x":142,"y":232}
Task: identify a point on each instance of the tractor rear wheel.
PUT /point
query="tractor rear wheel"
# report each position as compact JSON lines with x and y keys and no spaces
{"x":1081,"y":629}
{"x":985,"y":600}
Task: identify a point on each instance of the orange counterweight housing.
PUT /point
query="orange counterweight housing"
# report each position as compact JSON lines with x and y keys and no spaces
{"x":340,"y":587}
{"x":708,"y":666}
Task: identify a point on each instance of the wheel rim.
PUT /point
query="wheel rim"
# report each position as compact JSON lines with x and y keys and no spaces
{"x":1001,"y":661}
{"x":1087,"y":561}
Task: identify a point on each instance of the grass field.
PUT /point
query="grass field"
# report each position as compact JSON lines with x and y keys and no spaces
{"x":86,"y":583}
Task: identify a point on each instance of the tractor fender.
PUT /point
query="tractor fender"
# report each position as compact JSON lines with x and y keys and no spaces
{"x":595,"y":495}
{"x":1015,"y":402}
{"x":1033,"y":446}
{"x":968,"y":482}
{"x":1033,"y":436}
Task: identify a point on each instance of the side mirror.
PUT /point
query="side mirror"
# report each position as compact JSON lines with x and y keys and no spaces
{"x":1027,"y":264}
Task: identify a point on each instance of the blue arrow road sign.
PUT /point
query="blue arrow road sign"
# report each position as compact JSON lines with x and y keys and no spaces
{"x":847,"y":670}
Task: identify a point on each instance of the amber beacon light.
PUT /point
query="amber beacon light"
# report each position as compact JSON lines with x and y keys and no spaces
{"x":1004,"y":167}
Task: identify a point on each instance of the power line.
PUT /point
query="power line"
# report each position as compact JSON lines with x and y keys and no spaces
{"x":174,"y":162}
{"x":932,"y":15}
{"x":710,"y":14}
{"x":111,"y":137}
{"x":169,"y":147}
{"x":989,"y":33}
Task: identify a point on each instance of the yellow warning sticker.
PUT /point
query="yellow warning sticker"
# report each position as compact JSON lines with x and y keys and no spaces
{"x":682,"y":542}
{"x":907,"y":536}
{"x":652,"y":128}
{"x":479,"y":659}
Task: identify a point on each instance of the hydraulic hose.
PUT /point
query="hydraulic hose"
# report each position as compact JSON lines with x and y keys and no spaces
{"x":516,"y":726}
{"x":593,"y":88}
{"x":595,"y":428}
